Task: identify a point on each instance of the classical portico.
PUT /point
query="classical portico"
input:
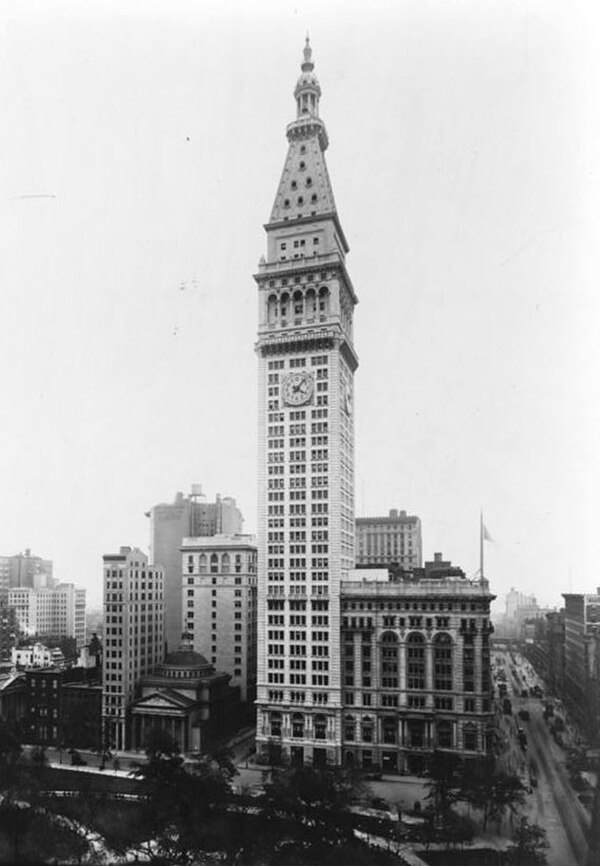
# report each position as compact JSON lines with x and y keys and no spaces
{"x":187,"y":698}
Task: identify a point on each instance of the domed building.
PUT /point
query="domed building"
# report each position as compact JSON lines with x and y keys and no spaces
{"x":186,"y":697}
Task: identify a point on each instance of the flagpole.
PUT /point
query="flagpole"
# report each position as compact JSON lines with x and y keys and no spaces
{"x":481,"y":545}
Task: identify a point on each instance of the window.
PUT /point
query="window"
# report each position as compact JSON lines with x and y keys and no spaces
{"x":442,"y":660}
{"x":320,"y":727}
{"x":389,"y":728}
{"x":470,"y":737}
{"x":444,"y":734}
{"x":416,"y":661}
{"x":275,"y":724}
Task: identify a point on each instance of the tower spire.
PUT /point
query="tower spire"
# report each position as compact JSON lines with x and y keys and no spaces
{"x":308,"y":90}
{"x":307,"y":65}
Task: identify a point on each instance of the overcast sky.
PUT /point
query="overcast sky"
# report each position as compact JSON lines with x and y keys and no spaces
{"x":141,"y":144}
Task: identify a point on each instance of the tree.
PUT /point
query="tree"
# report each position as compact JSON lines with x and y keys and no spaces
{"x":444,"y":784}
{"x":489,"y":790}
{"x":529,"y":846}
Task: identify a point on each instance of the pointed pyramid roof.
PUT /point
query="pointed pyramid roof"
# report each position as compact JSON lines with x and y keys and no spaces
{"x":305,"y":189}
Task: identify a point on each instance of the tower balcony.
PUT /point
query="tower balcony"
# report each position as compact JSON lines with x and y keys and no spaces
{"x":315,"y":262}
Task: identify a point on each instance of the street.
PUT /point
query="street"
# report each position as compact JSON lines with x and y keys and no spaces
{"x":552,"y":804}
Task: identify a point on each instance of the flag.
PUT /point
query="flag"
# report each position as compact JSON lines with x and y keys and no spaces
{"x":485,"y":534}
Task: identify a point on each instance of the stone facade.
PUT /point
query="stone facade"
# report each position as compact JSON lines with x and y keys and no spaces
{"x":170,"y":523}
{"x":133,"y":635}
{"x":59,"y":611}
{"x":395,"y":539}
{"x":188,"y":698}
{"x":219,"y":605}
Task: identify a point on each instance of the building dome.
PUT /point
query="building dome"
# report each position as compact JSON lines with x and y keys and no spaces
{"x":186,"y":659}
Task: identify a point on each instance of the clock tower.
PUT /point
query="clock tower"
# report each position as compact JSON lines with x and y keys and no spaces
{"x":306,"y":365}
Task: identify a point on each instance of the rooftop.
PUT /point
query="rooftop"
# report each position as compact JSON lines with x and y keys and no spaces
{"x":416,"y":588}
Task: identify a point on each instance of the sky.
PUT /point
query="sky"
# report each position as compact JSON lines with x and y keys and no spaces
{"x":141,"y":145}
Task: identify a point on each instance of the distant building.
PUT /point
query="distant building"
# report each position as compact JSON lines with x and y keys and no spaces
{"x":59,"y":611}
{"x":386,"y":540}
{"x":8,"y":626}
{"x":188,"y":516}
{"x":133,"y":634}
{"x":186,"y":697}
{"x":36,"y":655}
{"x":23,"y":569}
{"x":219,"y":604}
{"x":415,"y":668}
{"x":520,"y":609}
{"x":94,"y":621}
{"x":582,"y":678}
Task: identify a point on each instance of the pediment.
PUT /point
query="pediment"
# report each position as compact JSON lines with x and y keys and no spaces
{"x":163,"y":701}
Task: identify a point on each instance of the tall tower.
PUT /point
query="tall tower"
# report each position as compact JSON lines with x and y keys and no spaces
{"x":306,"y":366}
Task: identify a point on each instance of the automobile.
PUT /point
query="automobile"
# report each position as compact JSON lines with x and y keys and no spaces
{"x":524,"y":693}
{"x":524,"y":715}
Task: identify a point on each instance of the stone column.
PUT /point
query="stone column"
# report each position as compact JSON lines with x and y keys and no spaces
{"x":402,"y":668}
{"x":429,"y":665}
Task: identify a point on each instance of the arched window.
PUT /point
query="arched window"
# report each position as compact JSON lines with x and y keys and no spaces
{"x":311,"y":304}
{"x":415,"y":653}
{"x":283,"y":304}
{"x":214,"y":563}
{"x":323,"y":300}
{"x":297,"y":725}
{"x":320,"y":727}
{"x":442,"y":662}
{"x":298,"y":301}
{"x":389,"y":660}
{"x":275,"y":724}
{"x":272,"y":309}
{"x":225,"y":564}
{"x":202,"y":564}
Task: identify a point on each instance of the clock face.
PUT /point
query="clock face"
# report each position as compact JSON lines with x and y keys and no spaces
{"x":297,"y":388}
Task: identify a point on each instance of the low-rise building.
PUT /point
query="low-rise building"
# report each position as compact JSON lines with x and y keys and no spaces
{"x":13,"y":699}
{"x":36,"y":655}
{"x":81,"y":713}
{"x":51,"y":720}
